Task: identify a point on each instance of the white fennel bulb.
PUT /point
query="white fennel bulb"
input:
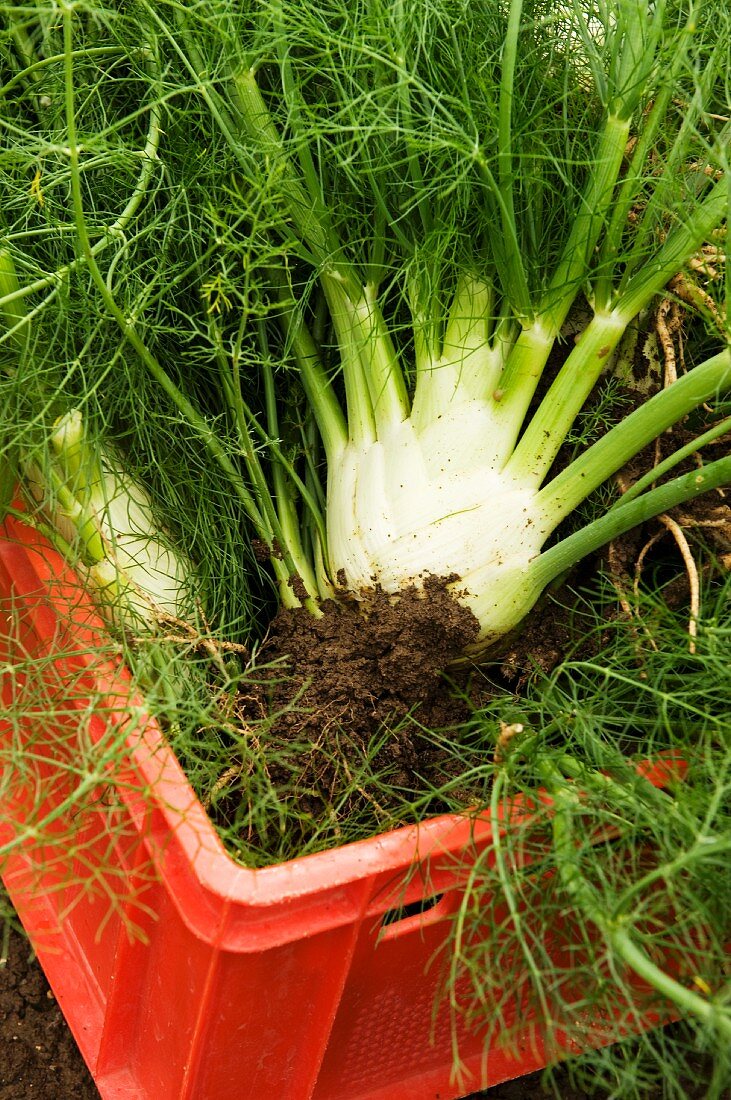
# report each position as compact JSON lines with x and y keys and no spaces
{"x":413,"y":505}
{"x":101,"y":512}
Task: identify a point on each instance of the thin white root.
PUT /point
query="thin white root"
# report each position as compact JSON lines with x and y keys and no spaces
{"x":667,"y":324}
{"x":692,"y":570}
{"x":638,"y":573}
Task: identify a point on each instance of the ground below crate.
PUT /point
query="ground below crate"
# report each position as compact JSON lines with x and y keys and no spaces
{"x":39,"y":1059}
{"x":38,"y":1056}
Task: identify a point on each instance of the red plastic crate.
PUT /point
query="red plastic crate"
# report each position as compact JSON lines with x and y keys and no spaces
{"x":281,"y":982}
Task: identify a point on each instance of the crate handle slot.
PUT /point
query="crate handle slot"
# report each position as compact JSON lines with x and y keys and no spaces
{"x":415,"y":914}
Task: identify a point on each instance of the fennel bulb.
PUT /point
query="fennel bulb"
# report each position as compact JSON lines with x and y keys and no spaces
{"x":106,"y":520}
{"x":414,"y":505}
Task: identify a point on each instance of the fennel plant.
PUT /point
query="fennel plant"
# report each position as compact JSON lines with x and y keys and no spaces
{"x":406,"y":208}
{"x":337,"y":281}
{"x":436,"y":462}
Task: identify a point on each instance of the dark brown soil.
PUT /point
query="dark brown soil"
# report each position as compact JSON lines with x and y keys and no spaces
{"x":373,"y":661}
{"x":326,"y":690}
{"x":38,"y":1056}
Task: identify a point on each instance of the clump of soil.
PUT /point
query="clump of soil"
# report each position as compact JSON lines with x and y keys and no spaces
{"x":376,"y":660}
{"x":347,"y":718}
{"x":350,"y":723}
{"x":363,"y":666}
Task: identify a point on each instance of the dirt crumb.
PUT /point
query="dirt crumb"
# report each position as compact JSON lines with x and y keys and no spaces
{"x":369,"y":662}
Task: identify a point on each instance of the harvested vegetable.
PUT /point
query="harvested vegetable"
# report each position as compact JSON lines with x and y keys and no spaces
{"x":415,"y":231}
{"x":336,"y":283}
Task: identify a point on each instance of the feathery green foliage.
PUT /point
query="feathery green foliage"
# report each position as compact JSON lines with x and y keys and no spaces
{"x":315,"y":269}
